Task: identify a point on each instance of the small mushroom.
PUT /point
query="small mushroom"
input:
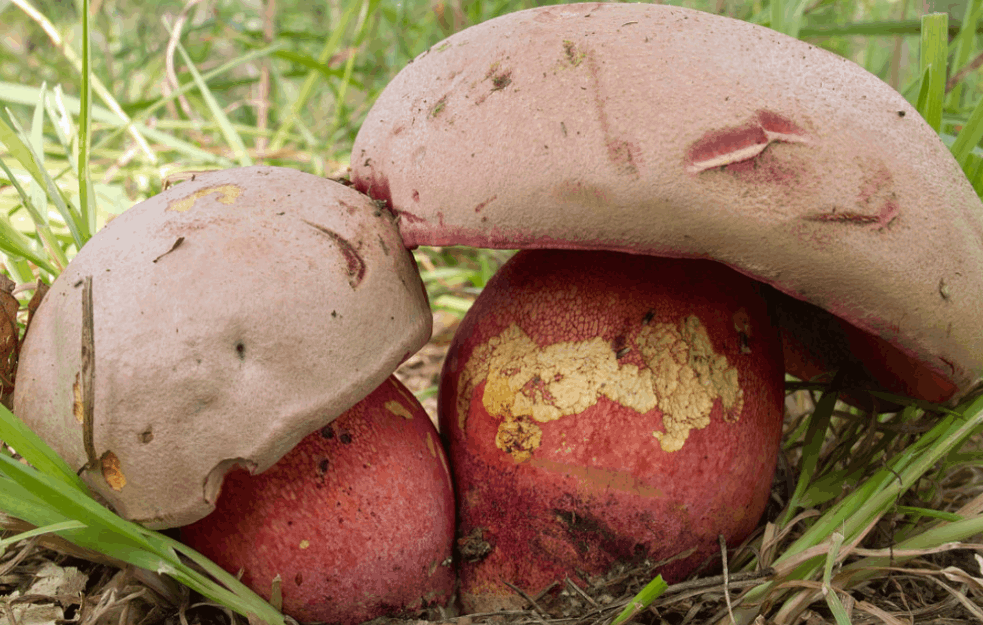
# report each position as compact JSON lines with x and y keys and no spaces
{"x":658,"y":130}
{"x":233,"y":315}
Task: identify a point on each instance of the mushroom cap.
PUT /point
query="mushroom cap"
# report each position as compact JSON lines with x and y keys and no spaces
{"x":661,"y":130}
{"x":233,"y":315}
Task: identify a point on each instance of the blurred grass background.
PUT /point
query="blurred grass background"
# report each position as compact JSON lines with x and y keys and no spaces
{"x":186,"y":86}
{"x":180,"y":87}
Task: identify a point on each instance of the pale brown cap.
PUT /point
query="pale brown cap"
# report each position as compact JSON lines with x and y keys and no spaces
{"x":662,"y":130}
{"x":233,"y":315}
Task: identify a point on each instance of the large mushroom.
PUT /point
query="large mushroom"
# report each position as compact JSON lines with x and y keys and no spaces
{"x":665,"y":131}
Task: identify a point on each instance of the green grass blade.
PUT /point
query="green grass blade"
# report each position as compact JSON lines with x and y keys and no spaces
{"x":934,"y":49}
{"x":905,"y":470}
{"x":342,"y":88}
{"x":185,"y":88}
{"x":249,"y":605}
{"x":40,"y":531}
{"x":18,"y":149}
{"x":976,"y":174}
{"x":969,"y":137}
{"x":127,"y":542}
{"x":21,"y":94}
{"x":786,"y":16}
{"x":38,"y":197}
{"x":319,"y":66}
{"x":37,"y":207}
{"x":939,"y":535}
{"x":878,"y":494}
{"x":862,"y":29}
{"x":19,"y":502}
{"x":832,"y":599}
{"x":965,"y":43}
{"x":64,"y":498}
{"x":29,"y":445}
{"x":10,"y":131}
{"x":652,"y":591}
{"x":815,"y":435}
{"x":307,"y":89}
{"x":453,"y":303}
{"x":87,"y":199}
{"x":14,"y":243}
{"x":232,"y":137}
{"x":247,"y":600}
{"x":777,"y":8}
{"x":28,"y":494}
{"x":942,"y":515}
{"x":64,"y":129}
{"x":76,"y":63}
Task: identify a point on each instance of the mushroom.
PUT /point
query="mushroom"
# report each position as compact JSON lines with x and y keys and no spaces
{"x":233,"y":315}
{"x":664,"y":131}
{"x":357,"y":520}
{"x":602,"y":407}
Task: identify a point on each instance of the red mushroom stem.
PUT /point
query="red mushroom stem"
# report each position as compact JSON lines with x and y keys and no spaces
{"x":604,"y":407}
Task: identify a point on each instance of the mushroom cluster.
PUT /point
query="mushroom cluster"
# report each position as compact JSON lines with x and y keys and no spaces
{"x":240,"y":312}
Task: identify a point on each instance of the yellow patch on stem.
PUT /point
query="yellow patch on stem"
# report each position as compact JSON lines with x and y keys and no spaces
{"x":526,"y":384}
{"x":398,"y":409}
{"x":689,"y":377}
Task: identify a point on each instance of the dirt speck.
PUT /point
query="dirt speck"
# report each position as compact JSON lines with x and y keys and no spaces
{"x":473,"y":547}
{"x":574,"y":55}
{"x":481,"y":205}
{"x":438,"y":108}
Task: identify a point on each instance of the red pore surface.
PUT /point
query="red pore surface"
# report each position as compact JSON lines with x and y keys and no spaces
{"x":605,"y":407}
{"x":357,"y":520}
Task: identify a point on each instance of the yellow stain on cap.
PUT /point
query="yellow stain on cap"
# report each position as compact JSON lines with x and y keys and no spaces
{"x":112,"y":472}
{"x":227,"y":194}
{"x":304,"y":544}
{"x":526,"y":384}
{"x":398,"y":409}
